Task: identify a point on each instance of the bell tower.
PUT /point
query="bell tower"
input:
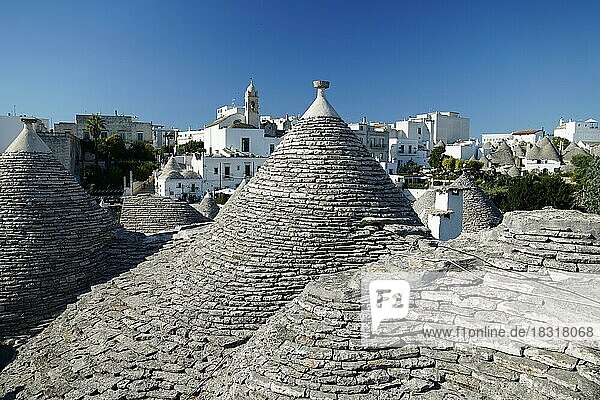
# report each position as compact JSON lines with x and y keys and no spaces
{"x":251,"y":105}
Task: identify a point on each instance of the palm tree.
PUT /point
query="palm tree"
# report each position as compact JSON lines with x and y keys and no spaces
{"x":94,"y":125}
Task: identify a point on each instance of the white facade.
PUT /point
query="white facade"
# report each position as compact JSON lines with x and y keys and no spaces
{"x":463,"y":150}
{"x":375,"y":137}
{"x":11,"y":126}
{"x":226,"y":111}
{"x":495,"y":138}
{"x":531,"y":136}
{"x":430,"y":128}
{"x":164,"y":137}
{"x":445,"y":220}
{"x":248,"y":140}
{"x":219,"y":172}
{"x":578,"y":131}
{"x":190,"y":135}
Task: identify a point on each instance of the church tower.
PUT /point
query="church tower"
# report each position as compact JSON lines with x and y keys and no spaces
{"x":251,"y":105}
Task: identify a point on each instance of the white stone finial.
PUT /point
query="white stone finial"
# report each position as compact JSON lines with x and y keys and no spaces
{"x":320,"y":107}
{"x":321,"y":84}
{"x":28,"y":141}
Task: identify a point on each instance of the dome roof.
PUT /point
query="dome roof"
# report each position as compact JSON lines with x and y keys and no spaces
{"x":251,"y":89}
{"x":151,"y":214}
{"x":171,"y":170}
{"x":318,"y":205}
{"x":547,"y":150}
{"x":170,"y":174}
{"x":53,"y":237}
{"x":479,"y":212}
{"x":189,"y":174}
{"x":208,"y":207}
{"x":172,"y":164}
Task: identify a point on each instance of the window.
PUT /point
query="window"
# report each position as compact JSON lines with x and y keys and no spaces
{"x":193,"y":187}
{"x":140,"y":136}
{"x":246,"y":145}
{"x":402,"y":148}
{"x":227,"y":173}
{"x":247,"y":169}
{"x":216,"y":171}
{"x":419,"y":131}
{"x":409,"y":148}
{"x":271,"y":148}
{"x":122,"y":134}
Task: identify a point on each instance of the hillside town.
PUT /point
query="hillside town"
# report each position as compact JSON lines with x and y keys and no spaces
{"x":421,"y":154}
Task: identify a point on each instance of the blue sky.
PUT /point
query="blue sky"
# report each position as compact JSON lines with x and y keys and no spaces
{"x":506,"y":65}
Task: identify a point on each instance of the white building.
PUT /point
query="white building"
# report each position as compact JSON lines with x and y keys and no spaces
{"x":495,"y":138}
{"x":190,"y":135}
{"x":531,"y":136}
{"x":128,"y":127}
{"x":430,"y":128}
{"x":463,"y":150}
{"x":11,"y":126}
{"x":579,"y":131}
{"x":404,"y":150}
{"x":542,"y":157}
{"x":162,"y":136}
{"x":177,"y":182}
{"x":226,"y":170}
{"x":236,"y":129}
{"x":375,"y":137}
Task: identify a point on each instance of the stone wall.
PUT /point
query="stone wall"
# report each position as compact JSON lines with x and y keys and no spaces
{"x":66,"y":148}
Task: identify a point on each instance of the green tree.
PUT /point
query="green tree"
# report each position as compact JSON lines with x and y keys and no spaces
{"x":410,"y":168}
{"x":435,"y":157}
{"x":94,"y":126}
{"x":473,"y":165}
{"x":530,"y":192}
{"x":192,"y":146}
{"x":587,"y":175}
{"x":112,"y":148}
{"x":448,"y":164}
{"x":557,"y":141}
{"x":141,"y":151}
{"x":458,"y":164}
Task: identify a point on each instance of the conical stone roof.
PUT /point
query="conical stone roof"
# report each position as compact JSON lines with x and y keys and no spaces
{"x":208,"y":207}
{"x":313,"y":348}
{"x":479,"y":212}
{"x":171,"y":170}
{"x":152,"y":214}
{"x":320,"y":204}
{"x":53,"y":237}
{"x":503,"y":155}
{"x":513,"y":171}
{"x":547,"y":150}
{"x":573,"y":150}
